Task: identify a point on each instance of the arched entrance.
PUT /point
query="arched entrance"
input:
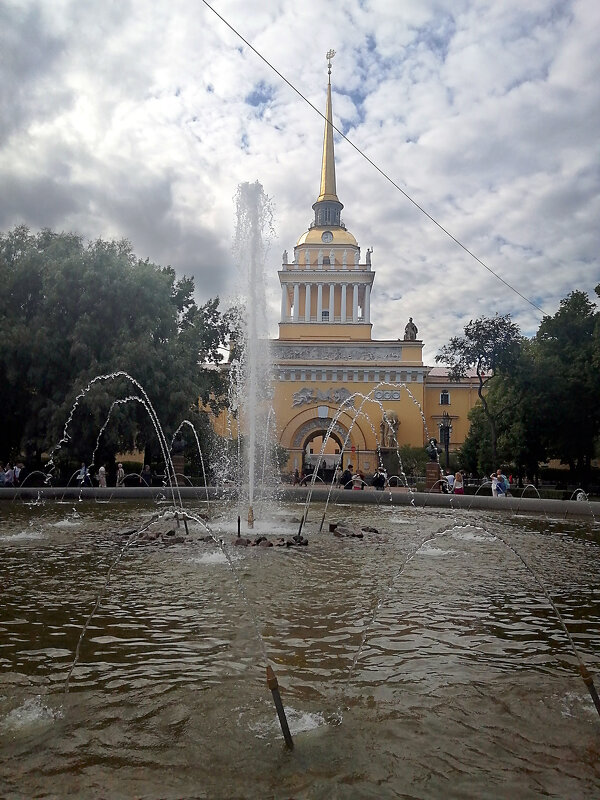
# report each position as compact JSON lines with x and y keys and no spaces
{"x":311,"y":447}
{"x":309,"y":435}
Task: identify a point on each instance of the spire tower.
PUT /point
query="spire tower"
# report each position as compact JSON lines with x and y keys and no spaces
{"x":328,"y":208}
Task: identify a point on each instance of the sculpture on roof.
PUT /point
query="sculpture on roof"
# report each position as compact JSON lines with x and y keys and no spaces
{"x":410,"y":331}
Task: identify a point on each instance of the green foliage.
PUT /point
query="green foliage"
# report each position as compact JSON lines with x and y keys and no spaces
{"x":567,"y":357}
{"x":475,"y":455}
{"x":489,"y":346}
{"x":74,"y":311}
{"x":413,"y":461}
{"x":543,"y":399}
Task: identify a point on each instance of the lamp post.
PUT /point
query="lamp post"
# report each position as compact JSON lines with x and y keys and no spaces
{"x":445,"y":429}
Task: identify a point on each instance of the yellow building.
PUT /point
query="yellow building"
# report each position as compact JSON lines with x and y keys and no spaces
{"x":329,"y":374}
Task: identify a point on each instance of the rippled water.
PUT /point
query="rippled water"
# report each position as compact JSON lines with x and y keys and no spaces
{"x":420,"y":662}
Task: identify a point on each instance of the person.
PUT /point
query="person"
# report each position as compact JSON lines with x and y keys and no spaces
{"x":9,"y":476}
{"x":459,"y":483}
{"x":337,"y":475}
{"x":120,"y":475}
{"x":357,"y":480}
{"x":296,"y":480}
{"x":378,"y":481}
{"x":102,"y":477}
{"x":346,"y":479}
{"x":2,"y":474}
{"x":83,"y":476}
{"x":504,"y":480}
{"x":450,"y":479}
{"x":146,"y":475}
{"x":494,"y":479}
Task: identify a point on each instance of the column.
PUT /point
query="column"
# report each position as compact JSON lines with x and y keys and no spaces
{"x":296,"y":301}
{"x":331,"y":300}
{"x":307,"y":304}
{"x":319,"y":302}
{"x":367,"y":308}
{"x":355,"y":304}
{"x":343,"y":306}
{"x":283,"y":302}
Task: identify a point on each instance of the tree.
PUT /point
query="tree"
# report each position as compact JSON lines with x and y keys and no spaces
{"x":518,"y":399}
{"x":566,"y":351}
{"x":74,"y":311}
{"x":489,"y":345}
{"x":475,"y":455}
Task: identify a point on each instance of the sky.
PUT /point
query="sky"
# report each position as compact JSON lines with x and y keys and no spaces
{"x":139,"y":119}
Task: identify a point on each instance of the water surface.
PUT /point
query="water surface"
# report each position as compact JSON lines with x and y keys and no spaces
{"x":422,"y":661}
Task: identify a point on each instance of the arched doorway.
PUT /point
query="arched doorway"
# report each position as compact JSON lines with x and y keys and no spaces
{"x":309,"y":436}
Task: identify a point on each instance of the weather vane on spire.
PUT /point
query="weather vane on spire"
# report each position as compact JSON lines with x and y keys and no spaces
{"x":329,"y":56}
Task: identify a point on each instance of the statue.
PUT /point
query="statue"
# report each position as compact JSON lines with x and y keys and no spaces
{"x":433,"y":451}
{"x":284,"y":257}
{"x":388,"y":428}
{"x":410,"y":331}
{"x":178,"y":445}
{"x":369,"y":251}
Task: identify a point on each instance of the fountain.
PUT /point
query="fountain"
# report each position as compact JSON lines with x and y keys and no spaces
{"x":251,"y":371}
{"x":423,"y":659}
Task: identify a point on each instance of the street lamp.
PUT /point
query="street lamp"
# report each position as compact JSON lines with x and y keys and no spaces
{"x":445,"y":429}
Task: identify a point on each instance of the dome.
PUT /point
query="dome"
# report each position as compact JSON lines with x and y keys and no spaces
{"x":340,"y":236}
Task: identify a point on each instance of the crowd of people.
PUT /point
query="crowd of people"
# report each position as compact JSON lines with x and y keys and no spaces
{"x":451,"y":483}
{"x":10,"y":475}
{"x":454,"y":483}
{"x":84,"y":478}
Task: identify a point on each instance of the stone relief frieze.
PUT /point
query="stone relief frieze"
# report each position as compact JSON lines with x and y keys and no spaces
{"x":308,"y":396}
{"x":335,"y":353}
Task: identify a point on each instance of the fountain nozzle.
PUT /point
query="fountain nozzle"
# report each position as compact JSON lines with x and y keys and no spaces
{"x":589,"y":682}
{"x":274,"y":687}
{"x":250,"y":517}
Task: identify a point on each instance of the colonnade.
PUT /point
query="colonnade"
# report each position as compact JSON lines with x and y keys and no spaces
{"x":337,"y":298}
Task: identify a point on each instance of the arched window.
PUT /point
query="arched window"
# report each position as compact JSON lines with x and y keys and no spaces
{"x":445,"y":398}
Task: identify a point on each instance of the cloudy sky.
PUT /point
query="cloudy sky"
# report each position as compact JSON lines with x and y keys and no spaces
{"x":140,"y":118}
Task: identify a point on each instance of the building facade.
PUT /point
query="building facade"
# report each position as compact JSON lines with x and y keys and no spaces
{"x":372,"y":396}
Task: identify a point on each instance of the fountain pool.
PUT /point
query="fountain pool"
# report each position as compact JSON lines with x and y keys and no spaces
{"x":465,"y":685}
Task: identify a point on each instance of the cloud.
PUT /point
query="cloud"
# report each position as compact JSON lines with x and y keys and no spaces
{"x":126,"y":120}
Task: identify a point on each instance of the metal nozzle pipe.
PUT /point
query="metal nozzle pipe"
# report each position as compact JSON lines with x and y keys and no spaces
{"x":274,"y":687}
{"x":589,"y":682}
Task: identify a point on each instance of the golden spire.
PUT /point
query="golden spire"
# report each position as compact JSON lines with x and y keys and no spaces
{"x":328,"y":190}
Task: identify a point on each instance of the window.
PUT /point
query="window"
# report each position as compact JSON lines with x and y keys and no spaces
{"x":326,"y":260}
{"x":445,"y":398}
{"x":324,"y":316}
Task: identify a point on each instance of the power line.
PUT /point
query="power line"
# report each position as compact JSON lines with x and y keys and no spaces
{"x":375,"y":166}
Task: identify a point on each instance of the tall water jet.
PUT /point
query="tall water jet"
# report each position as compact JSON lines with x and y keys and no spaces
{"x":252,"y":376}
